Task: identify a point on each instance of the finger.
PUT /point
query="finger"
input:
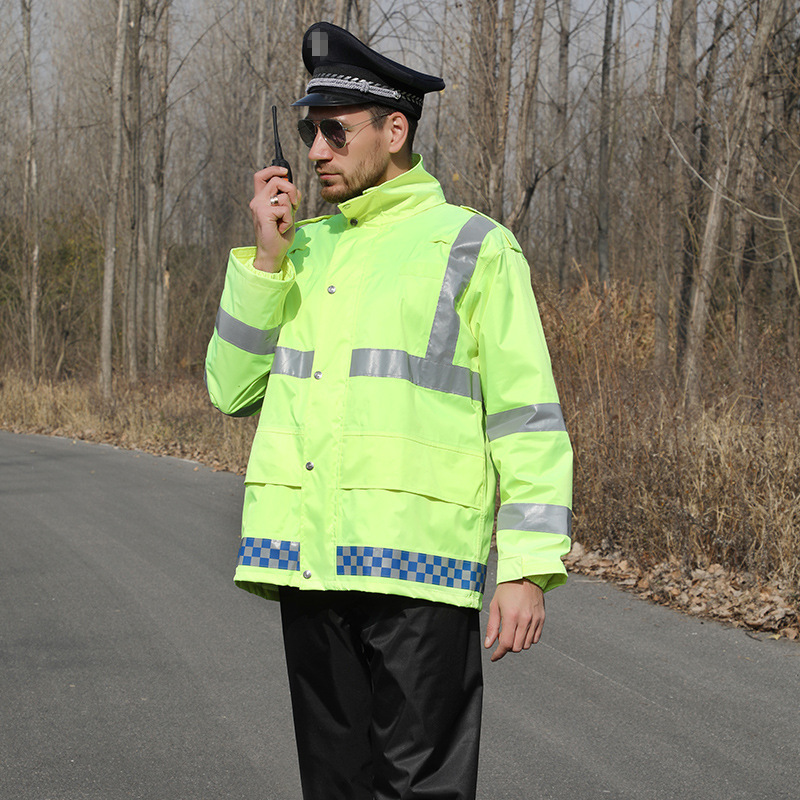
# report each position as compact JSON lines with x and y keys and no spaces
{"x":492,"y":627}
{"x":275,"y":185}
{"x":537,"y":634}
{"x":522,"y":634}
{"x":263,"y":176}
{"x":503,"y":646}
{"x":529,"y":635}
{"x":282,"y":212}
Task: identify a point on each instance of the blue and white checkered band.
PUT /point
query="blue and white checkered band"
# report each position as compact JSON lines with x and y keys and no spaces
{"x":270,"y":553}
{"x":383,"y":562}
{"x":333,"y":81}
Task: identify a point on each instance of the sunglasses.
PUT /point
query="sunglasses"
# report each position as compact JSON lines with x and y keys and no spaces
{"x":334,"y":133}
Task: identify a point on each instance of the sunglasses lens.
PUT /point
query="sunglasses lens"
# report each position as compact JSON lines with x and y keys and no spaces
{"x":307,"y":131}
{"x":333,"y":131}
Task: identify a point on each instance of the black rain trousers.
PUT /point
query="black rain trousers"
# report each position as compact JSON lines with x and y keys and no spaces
{"x":386,"y":695}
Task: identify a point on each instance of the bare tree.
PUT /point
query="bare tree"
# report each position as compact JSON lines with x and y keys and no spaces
{"x":30,"y":201}
{"x":603,"y":270}
{"x":110,"y":250}
{"x":738,"y":131}
{"x":560,"y":148}
{"x":527,"y":175}
{"x":502,"y":103}
{"x":666,"y":228}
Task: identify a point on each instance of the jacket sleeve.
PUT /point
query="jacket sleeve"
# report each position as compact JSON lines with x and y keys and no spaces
{"x":242,"y":347}
{"x":524,"y":425}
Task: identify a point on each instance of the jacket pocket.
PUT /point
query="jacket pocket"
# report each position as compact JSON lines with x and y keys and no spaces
{"x":374,"y":461}
{"x":276,"y":457}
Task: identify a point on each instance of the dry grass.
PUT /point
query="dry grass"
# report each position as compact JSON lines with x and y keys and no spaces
{"x":168,"y":418}
{"x":658,"y":484}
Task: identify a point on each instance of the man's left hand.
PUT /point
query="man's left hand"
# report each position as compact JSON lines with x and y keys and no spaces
{"x":516,"y":617}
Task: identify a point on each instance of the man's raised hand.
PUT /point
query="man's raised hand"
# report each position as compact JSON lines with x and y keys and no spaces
{"x":273,"y":208}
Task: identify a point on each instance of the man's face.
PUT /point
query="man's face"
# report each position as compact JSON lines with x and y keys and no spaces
{"x":363,"y":162}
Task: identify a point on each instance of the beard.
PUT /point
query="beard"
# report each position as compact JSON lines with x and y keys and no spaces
{"x":345,"y":186}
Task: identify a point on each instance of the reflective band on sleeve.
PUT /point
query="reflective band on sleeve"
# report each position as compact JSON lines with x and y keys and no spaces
{"x":270,"y":553}
{"x":448,"y":378}
{"x":528,"y":419}
{"x":460,"y":266}
{"x":246,"y":337}
{"x":383,"y":562}
{"x":536,"y":518}
{"x":295,"y":363}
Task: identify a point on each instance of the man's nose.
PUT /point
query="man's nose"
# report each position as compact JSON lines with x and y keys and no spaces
{"x":320,"y":150}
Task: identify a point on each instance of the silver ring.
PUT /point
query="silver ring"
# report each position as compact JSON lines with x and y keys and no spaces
{"x":273,"y":201}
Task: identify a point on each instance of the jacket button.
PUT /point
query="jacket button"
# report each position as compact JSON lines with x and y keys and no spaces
{"x":317,"y":374}
{"x":331,"y":289}
{"x":354,"y":221}
{"x":307,"y":574}
{"x":309,"y":465}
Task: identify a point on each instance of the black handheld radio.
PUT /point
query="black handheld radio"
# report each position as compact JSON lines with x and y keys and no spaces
{"x":279,"y":160}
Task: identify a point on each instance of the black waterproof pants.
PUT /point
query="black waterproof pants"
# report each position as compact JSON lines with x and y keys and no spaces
{"x":386,"y":695}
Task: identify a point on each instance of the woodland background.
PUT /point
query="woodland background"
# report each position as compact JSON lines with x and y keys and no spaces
{"x":645,"y":154}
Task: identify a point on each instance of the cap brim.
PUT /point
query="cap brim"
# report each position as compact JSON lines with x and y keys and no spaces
{"x":332,"y":99}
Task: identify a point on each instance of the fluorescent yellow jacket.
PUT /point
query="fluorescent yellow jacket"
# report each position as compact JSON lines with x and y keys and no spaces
{"x":399,"y":365}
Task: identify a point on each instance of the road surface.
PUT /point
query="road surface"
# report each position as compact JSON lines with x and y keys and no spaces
{"x":131,"y":667}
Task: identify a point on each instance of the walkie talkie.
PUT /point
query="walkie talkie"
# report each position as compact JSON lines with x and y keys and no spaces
{"x":279,"y":160}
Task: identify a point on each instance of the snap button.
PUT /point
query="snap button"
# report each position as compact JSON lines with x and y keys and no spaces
{"x":309,"y":465}
{"x":307,"y":574}
{"x":331,"y":289}
{"x":317,"y":374}
{"x":354,"y":221}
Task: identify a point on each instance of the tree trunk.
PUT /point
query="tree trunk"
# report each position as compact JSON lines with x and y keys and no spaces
{"x":742,"y":232}
{"x":133,"y":115}
{"x":30,"y":202}
{"x":110,"y":244}
{"x":560,"y":148}
{"x":708,"y":252}
{"x":666,"y":227}
{"x":482,"y":108}
{"x":685,"y":190}
{"x":603,"y":269}
{"x":501,"y":109}
{"x":526,"y":126}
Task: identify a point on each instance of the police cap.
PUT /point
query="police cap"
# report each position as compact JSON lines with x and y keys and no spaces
{"x":344,"y":71}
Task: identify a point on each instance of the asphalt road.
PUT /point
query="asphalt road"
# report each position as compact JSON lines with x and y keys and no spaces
{"x":131,"y":667}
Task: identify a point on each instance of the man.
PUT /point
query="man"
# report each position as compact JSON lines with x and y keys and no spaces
{"x":396,"y":356}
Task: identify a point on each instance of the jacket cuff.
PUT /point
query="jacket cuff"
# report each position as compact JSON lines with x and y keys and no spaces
{"x":242,"y":259}
{"x":513,"y":568}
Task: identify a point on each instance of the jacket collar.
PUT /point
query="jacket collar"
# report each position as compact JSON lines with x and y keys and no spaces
{"x":410,"y":193}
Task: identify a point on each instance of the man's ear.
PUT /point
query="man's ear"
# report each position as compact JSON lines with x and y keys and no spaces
{"x":397,"y":126}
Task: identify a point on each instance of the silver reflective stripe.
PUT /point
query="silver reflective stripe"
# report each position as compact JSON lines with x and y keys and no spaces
{"x":436,"y":370}
{"x":460,"y":266}
{"x":448,"y":378}
{"x":295,"y":363}
{"x":536,"y":518}
{"x":529,"y":419}
{"x":246,"y":337}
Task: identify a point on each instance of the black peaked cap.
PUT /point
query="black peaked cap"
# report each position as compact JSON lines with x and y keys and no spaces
{"x":344,"y":71}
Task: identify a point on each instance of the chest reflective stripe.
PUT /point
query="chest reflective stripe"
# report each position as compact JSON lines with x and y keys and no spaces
{"x":436,"y":370}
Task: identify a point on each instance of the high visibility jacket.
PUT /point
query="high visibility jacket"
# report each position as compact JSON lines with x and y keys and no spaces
{"x":399,"y":364}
